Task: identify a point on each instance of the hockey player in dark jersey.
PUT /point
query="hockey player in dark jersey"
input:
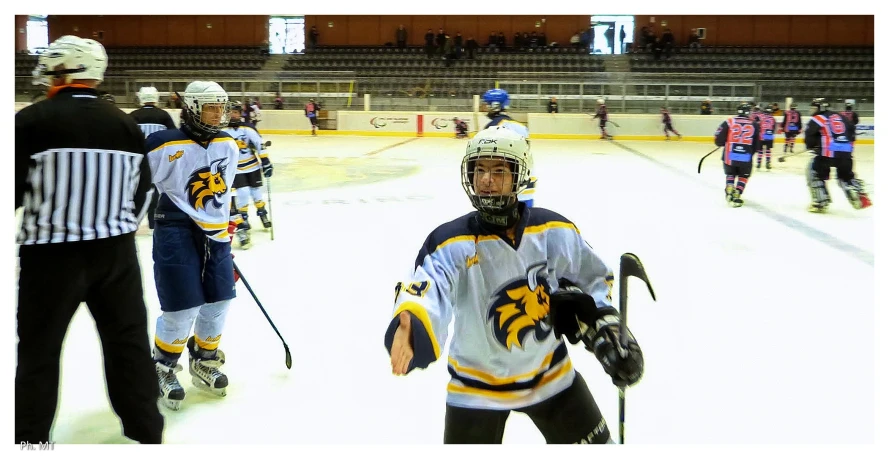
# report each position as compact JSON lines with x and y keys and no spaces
{"x":740,"y":137}
{"x":668,"y":123}
{"x":832,"y":137}
{"x":151,"y":119}
{"x":791,"y":125}
{"x":602,"y":114}
{"x":460,"y":128}
{"x":767,"y":137}
{"x":850,"y":114}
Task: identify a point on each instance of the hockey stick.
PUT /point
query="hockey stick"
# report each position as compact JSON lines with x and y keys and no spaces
{"x":781,"y":159}
{"x":268,"y":191}
{"x":287,"y":360}
{"x":630,"y":266}
{"x":701,"y":162}
{"x":615,"y":124}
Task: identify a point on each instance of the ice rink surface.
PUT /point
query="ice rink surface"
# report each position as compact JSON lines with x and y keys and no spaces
{"x":754,"y":337}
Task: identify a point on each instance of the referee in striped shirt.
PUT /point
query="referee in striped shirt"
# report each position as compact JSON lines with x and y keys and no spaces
{"x":83,"y":179}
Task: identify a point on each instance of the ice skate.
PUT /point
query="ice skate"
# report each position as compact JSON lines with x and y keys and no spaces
{"x":266,"y":223}
{"x":172,"y":393}
{"x":205,"y":369}
{"x":818,"y":208}
{"x":729,"y":193}
{"x":768,"y":164}
{"x":243,"y":238}
{"x":736,"y":200}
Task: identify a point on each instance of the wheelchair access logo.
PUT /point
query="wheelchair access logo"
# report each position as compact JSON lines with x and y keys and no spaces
{"x":440,"y":123}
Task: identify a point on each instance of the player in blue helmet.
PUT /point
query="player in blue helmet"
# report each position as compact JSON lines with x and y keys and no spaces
{"x":497,"y":101}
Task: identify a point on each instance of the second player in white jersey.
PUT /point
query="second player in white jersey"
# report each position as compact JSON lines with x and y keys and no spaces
{"x":253,"y":163}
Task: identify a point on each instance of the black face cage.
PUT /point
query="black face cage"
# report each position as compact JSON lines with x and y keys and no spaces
{"x":492,"y":203}
{"x":194,"y":118}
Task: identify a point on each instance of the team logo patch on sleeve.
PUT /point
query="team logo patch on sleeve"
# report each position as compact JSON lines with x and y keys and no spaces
{"x":206,"y":185}
{"x":519,"y":308}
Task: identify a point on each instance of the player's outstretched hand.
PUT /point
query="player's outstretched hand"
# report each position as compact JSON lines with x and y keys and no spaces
{"x":402,"y":350}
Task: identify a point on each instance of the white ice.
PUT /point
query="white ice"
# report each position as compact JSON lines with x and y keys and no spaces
{"x":761,"y":332}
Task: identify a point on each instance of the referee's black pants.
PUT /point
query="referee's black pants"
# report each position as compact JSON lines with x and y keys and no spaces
{"x":53,"y":281}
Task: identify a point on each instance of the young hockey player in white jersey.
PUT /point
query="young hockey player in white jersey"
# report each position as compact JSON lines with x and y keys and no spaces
{"x":193,"y":168}
{"x":151,"y":119}
{"x":497,"y":101}
{"x":514,"y":279}
{"x":248,"y":182}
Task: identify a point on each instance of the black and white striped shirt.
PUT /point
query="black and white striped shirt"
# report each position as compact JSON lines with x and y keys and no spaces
{"x":81,"y":172}
{"x":152,"y":119}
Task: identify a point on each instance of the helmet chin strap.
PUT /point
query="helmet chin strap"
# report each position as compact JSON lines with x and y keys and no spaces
{"x":504,"y":219}
{"x":197,"y":134}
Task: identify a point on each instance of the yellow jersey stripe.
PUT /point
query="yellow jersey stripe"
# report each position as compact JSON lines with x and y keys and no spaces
{"x":459,"y":389}
{"x":550,"y":225}
{"x":496,"y":380}
{"x":189,"y":141}
{"x":421,"y":314}
{"x":211,"y":226}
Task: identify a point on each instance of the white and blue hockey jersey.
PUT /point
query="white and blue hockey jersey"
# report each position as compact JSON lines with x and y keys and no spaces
{"x":196,"y":179}
{"x":250,"y":145}
{"x":502,"y":355}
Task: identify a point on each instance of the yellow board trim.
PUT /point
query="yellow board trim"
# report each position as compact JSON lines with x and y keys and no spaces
{"x":695,"y":139}
{"x":420,"y":312}
{"x":496,"y":380}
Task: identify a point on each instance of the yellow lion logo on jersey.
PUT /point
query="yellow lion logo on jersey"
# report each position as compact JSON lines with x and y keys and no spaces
{"x":519,"y":308}
{"x":207,"y":185}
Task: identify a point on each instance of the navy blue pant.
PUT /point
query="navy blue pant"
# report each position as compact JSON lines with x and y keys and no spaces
{"x":189,"y":269}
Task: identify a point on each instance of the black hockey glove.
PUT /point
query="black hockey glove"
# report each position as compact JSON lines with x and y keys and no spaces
{"x":575,"y":315}
{"x":267,"y":168}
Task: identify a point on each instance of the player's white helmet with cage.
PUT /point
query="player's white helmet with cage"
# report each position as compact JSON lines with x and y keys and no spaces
{"x":200,"y":96}
{"x":73,"y":58}
{"x":148,"y":95}
{"x":497,"y":143}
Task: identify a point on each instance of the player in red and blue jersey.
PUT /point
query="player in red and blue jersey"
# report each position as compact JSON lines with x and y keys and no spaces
{"x":740,"y":136}
{"x":767,"y":137}
{"x":668,"y":123}
{"x":831,"y":136}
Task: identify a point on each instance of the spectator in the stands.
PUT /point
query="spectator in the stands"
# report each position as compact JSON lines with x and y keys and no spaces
{"x":401,"y":36}
{"x":694,"y":40}
{"x":313,"y":38}
{"x":430,"y":43}
{"x":471,"y":47}
{"x":706,"y":107}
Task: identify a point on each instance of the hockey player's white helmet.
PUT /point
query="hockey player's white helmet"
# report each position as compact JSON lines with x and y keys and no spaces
{"x":148,"y":95}
{"x":73,"y":58}
{"x":496,"y":143}
{"x":600,"y":101}
{"x":206,"y":106}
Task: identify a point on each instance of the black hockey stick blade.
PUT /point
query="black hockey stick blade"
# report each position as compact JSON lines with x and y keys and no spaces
{"x":781,"y":159}
{"x":631,"y":266}
{"x":267,"y":144}
{"x":287,"y":359}
{"x":701,"y":162}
